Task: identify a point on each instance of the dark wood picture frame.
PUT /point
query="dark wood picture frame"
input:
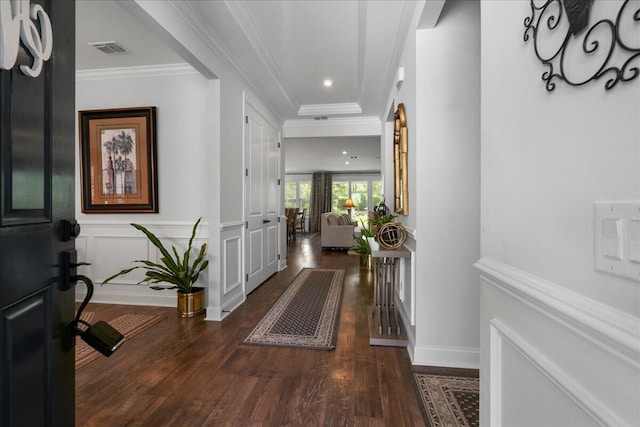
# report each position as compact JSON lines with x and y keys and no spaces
{"x":118,"y":160}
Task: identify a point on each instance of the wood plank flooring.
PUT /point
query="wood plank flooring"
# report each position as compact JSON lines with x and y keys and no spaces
{"x":191,"y":372}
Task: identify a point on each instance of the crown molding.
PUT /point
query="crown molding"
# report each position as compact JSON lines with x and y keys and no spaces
{"x":250,"y":29}
{"x":410,"y":15}
{"x":135,"y":72}
{"x":327,"y":109}
{"x":195,"y":21}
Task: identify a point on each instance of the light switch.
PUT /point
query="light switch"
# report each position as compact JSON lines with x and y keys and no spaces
{"x":611,"y":243}
{"x":617,"y":238}
{"x":634,"y":241}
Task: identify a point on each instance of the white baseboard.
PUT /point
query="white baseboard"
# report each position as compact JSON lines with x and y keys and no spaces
{"x":215,"y":314}
{"x":451,"y":357}
{"x":106,"y":296}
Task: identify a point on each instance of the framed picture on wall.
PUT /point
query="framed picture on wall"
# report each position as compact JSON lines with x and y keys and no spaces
{"x":118,"y":160}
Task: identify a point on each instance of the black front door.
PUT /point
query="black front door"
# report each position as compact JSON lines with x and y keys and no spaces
{"x":36,"y":194}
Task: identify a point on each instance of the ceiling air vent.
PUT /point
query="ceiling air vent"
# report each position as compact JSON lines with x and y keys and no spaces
{"x":109,"y":47}
{"x":320,"y":117}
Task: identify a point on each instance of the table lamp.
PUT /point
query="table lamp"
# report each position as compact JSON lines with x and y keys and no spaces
{"x":348,"y":204}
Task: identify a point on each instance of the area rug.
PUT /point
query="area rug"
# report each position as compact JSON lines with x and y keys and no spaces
{"x":306,"y":315}
{"x":128,"y":325}
{"x":448,"y":400}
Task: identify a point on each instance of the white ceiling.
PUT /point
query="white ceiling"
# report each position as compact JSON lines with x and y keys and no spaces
{"x":303,"y":155}
{"x":283,"y":50}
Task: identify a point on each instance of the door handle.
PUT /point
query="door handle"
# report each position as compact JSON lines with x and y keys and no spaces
{"x":101,"y":336}
{"x":69,"y":269}
{"x":266,"y":221}
{"x":70,"y":230}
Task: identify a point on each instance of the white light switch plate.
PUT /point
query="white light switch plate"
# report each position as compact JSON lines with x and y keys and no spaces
{"x":617,"y":238}
{"x":634,"y":241}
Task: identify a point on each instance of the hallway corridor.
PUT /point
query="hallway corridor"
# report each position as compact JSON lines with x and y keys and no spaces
{"x":190,"y":372}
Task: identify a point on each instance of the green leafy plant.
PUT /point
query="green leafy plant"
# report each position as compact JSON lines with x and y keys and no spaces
{"x":381,"y":219}
{"x":361,"y":245}
{"x":172,"y":269}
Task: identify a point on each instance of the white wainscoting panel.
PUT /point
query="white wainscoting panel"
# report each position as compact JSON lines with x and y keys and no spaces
{"x":544,"y":346}
{"x":232,"y":271}
{"x":231,"y":250}
{"x":113,"y":246}
{"x":114,"y":253}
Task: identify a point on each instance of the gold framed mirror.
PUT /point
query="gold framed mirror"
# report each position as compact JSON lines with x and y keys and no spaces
{"x":400,"y":151}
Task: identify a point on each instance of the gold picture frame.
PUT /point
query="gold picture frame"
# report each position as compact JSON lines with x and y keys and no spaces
{"x":400,"y":157}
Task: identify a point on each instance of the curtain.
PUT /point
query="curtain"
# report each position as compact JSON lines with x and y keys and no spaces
{"x":320,"y":202}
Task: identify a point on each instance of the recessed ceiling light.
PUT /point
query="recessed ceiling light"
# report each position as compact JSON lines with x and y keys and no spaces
{"x":344,"y":152}
{"x":346,"y":163}
{"x":328,"y":83}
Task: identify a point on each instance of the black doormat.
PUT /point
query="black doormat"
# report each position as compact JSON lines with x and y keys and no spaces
{"x":306,"y":315}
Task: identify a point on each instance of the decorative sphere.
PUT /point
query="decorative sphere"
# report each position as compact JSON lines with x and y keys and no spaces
{"x":391,"y":235}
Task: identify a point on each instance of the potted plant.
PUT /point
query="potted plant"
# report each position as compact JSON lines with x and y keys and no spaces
{"x":179,"y":273}
{"x":362,"y":246}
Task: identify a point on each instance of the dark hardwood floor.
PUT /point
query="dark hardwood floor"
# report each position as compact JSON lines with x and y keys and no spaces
{"x":191,"y":372}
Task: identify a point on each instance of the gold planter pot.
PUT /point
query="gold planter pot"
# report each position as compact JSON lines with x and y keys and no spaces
{"x":191,"y":304}
{"x":365,"y":261}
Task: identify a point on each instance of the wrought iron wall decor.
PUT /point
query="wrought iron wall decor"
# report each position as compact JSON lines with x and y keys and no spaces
{"x":557,"y":42}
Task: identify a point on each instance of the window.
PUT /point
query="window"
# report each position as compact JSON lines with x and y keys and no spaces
{"x":365,"y":191}
{"x":304,"y":194}
{"x":297,"y":191}
{"x":290,"y":194}
{"x":339,"y":194}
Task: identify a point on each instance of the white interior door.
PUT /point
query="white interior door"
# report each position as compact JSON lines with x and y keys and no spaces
{"x":261,"y":238}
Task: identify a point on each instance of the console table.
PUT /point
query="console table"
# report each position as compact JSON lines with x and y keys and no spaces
{"x":385,"y":326}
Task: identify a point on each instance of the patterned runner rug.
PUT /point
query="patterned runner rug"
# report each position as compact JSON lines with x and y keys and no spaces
{"x":306,"y":315}
{"x":128,"y":325}
{"x":448,"y":400}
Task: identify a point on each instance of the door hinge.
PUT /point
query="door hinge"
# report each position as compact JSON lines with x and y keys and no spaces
{"x":278,"y":145}
{"x":247,"y":277}
{"x":278,"y":256}
{"x":246,"y":172}
{"x":278,"y":181}
{"x":246,"y":119}
{"x":246,"y":225}
{"x":278,"y":219}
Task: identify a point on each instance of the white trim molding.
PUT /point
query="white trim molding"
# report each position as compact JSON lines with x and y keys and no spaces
{"x":453,"y":357}
{"x":135,"y":72}
{"x":501,"y":334}
{"x":111,"y":246}
{"x":613,"y":328}
{"x":543,"y":345}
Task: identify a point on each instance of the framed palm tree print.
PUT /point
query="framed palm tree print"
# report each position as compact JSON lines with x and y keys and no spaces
{"x":118,"y":160}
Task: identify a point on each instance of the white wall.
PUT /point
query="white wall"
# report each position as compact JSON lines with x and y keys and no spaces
{"x":181,"y":102}
{"x":448,"y":175}
{"x":216,"y":108}
{"x":549,"y":320}
{"x":441,"y":94}
{"x":405,"y":93}
{"x":107,"y":241}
